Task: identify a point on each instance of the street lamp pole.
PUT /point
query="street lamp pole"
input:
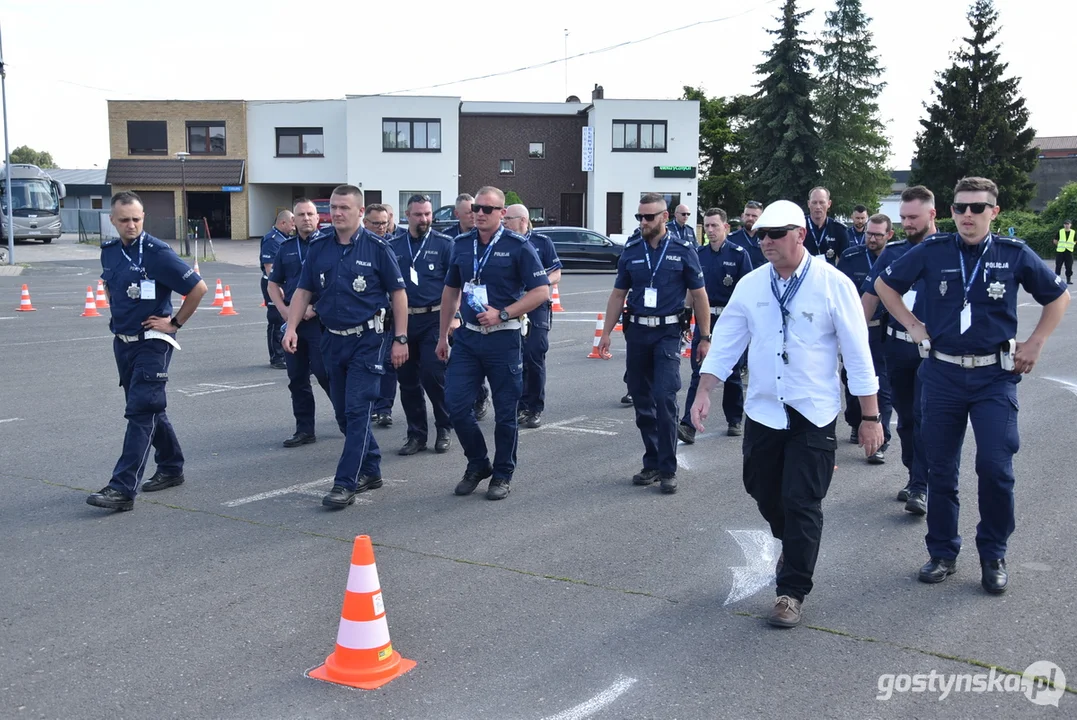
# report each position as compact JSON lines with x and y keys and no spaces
{"x":183,"y":179}
{"x":7,"y":165}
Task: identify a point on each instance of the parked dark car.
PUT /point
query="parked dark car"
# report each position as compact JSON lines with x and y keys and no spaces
{"x":444,"y":218}
{"x":582,"y":248}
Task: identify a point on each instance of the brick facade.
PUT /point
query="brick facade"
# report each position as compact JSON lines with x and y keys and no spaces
{"x":485,"y":140}
{"x":176,"y":113}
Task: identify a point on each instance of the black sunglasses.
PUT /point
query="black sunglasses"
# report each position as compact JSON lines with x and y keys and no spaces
{"x":487,"y":209}
{"x":754,"y":204}
{"x":776,"y":233}
{"x":976,"y":207}
{"x":646,"y":216}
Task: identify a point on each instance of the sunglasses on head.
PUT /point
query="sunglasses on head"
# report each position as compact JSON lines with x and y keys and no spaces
{"x":975,"y":207}
{"x":775,"y":233}
{"x":486,"y":209}
{"x":646,"y":216}
{"x":754,"y":204}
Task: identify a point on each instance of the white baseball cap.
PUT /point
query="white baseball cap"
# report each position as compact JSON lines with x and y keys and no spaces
{"x":779,"y":214}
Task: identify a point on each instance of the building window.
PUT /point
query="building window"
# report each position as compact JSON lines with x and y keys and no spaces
{"x":507,"y":167}
{"x":538,"y":215}
{"x":147,"y":137}
{"x":300,"y":142}
{"x":536,"y":150}
{"x":96,"y":202}
{"x":639,"y":135}
{"x":410,"y":135}
{"x":205,"y":138}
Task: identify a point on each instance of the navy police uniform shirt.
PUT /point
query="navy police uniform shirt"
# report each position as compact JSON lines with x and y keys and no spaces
{"x":123,"y":270}
{"x":857,"y":237}
{"x":510,"y":270}
{"x":913,"y":296}
{"x":288,"y":263}
{"x":684,"y":232}
{"x":675,"y":273}
{"x":830,"y":241}
{"x":750,"y":244}
{"x":271,"y":243}
{"x":857,"y":263}
{"x":429,"y":256}
{"x":453,"y":231}
{"x":994,"y":269}
{"x":350,"y":282}
{"x":722,"y":270}
{"x":540,"y":316}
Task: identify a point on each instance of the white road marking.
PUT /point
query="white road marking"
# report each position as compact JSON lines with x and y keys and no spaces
{"x":568,"y":425}
{"x":10,"y":420}
{"x":583,"y":292}
{"x":276,"y":493}
{"x":1071,"y":386}
{"x":592,"y":706}
{"x":196,"y":392}
{"x":681,"y":462}
{"x":8,"y":317}
{"x":760,"y":553}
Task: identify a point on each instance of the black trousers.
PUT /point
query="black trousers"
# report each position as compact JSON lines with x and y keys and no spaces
{"x":1064,"y":257}
{"x":787,"y":473}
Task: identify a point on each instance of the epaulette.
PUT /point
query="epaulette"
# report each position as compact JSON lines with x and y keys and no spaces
{"x":938,"y":238}
{"x":467,"y":235}
{"x":853,"y":251}
{"x":155,"y":244}
{"x":110,"y":242}
{"x":896,"y":243}
{"x":544,"y":237}
{"x":439,"y":234}
{"x":685,"y":242}
{"x":634,"y":240}
{"x":515,"y":236}
{"x":738,"y":248}
{"x":1017,"y":242}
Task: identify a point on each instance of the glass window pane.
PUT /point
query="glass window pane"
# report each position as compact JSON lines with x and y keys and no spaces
{"x":388,"y":134}
{"x":288,"y":145}
{"x":403,"y":136}
{"x":313,"y":145}
{"x":618,"y":136}
{"x":631,"y":136}
{"x":420,"y":135}
{"x":659,"y":136}
{"x":645,"y":136}
{"x":196,"y":139}
{"x":506,"y":167}
{"x":536,"y":150}
{"x":433,"y":135}
{"x":216,"y":139}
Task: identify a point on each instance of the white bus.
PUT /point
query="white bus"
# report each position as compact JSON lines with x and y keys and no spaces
{"x":35,"y":203}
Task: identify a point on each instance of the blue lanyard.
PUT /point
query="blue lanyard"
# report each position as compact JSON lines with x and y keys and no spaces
{"x":815,"y":236}
{"x":647,"y":255}
{"x":415,"y":257}
{"x":477,"y":266}
{"x":785,"y":298}
{"x":142,"y":235}
{"x":966,"y":281}
{"x":858,"y":238}
{"x":871,"y":262}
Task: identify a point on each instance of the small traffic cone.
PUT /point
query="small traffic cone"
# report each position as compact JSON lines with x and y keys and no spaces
{"x":687,"y":350}
{"x":24,"y":301}
{"x":102,"y":301}
{"x":218,"y":295}
{"x":364,"y":656}
{"x":91,"y":306}
{"x":598,"y":336}
{"x":556,"y":301}
{"x":228,"y":308}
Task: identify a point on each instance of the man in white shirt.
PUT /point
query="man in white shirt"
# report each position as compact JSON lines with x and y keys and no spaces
{"x":793,"y":315}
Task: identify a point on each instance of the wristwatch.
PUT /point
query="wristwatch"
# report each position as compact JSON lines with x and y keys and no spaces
{"x":402,"y":339}
{"x":706,"y":337}
{"x":504,"y":316}
{"x":175,"y":323}
{"x":870,"y":418}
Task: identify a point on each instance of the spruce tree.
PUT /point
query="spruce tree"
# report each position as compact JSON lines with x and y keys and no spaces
{"x":977,"y":123}
{"x":854,"y":148}
{"x":721,"y":150}
{"x":784,"y":145}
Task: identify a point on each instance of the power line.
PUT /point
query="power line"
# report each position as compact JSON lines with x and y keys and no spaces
{"x":565,"y":59}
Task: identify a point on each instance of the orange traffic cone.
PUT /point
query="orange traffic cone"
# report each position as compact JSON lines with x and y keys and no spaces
{"x":687,"y":350}
{"x":102,"y":301}
{"x":556,"y":301}
{"x":619,"y":327}
{"x":218,"y":295}
{"x":24,"y":301}
{"x":228,"y":308}
{"x":91,"y":306}
{"x":364,"y":656}
{"x":598,"y":336}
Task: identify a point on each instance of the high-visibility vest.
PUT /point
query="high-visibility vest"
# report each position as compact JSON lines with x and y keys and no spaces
{"x":1066,"y":239}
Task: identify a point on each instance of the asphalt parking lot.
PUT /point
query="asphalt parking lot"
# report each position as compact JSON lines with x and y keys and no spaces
{"x":578,"y":596}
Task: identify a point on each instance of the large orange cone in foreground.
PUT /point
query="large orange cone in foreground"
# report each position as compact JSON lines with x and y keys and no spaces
{"x":364,"y":656}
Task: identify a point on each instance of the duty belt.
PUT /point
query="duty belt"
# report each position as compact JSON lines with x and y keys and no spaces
{"x":422,"y":310}
{"x":148,"y":335}
{"x":507,"y":325}
{"x":898,"y":334}
{"x":359,"y":330}
{"x":874,"y":323}
{"x":966,"y":361}
{"x":653,"y":320}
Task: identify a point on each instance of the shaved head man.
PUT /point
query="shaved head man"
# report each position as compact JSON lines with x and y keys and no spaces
{"x":680,"y":226}
{"x":826,"y":236}
{"x":267,"y":252}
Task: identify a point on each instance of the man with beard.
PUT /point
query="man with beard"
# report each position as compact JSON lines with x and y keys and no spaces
{"x":860,"y":224}
{"x":746,"y":236}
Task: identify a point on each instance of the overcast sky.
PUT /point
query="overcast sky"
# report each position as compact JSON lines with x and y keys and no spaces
{"x":65,"y":58}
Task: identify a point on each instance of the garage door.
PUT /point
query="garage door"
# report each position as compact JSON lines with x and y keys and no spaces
{"x":160,"y":206}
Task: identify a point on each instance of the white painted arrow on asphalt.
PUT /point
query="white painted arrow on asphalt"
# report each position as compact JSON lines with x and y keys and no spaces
{"x":604,"y":698}
{"x":760,"y":553}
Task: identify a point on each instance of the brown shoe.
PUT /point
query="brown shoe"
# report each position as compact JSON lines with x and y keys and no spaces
{"x":785,"y":613}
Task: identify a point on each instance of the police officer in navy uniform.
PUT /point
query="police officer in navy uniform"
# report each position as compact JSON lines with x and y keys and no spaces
{"x":654,"y":274}
{"x":857,"y":262}
{"x":423,"y":256}
{"x":307,"y":358}
{"x":680,"y":227}
{"x":352,"y":276}
{"x":968,"y":329}
{"x":500,"y":277}
{"x":903,"y":360}
{"x":271,"y":243}
{"x":746,"y":236}
{"x":140,"y":274}
{"x":537,"y":340}
{"x":376,"y":219}
{"x":858,"y":230}
{"x":826,"y":236}
{"x":723,"y":265}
